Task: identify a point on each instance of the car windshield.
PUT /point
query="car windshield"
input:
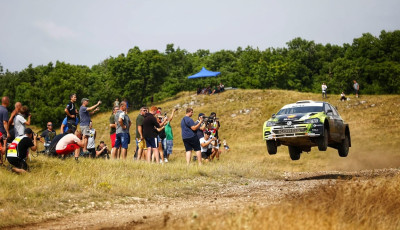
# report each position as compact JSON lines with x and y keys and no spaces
{"x":302,"y":109}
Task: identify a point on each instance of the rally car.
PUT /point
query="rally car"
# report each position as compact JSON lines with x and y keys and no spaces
{"x":306,"y":124}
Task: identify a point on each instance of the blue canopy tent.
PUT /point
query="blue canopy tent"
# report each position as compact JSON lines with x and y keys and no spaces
{"x":205,"y":73}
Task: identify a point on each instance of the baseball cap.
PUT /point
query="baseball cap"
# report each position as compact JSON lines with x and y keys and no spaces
{"x":28,"y":131}
{"x":84,"y":99}
{"x":207,"y":132}
{"x":201,"y":114}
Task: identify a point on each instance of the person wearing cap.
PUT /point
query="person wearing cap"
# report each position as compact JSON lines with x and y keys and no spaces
{"x":84,"y":114}
{"x":200,"y":131}
{"x":18,"y":151}
{"x":206,"y":146}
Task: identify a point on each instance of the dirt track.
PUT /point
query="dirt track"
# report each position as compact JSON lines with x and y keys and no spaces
{"x":161,"y":211}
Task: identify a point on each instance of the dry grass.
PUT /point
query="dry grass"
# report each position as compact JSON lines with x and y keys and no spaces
{"x":55,"y":188}
{"x":372,"y":204}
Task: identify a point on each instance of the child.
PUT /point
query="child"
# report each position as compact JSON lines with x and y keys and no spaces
{"x":226,"y":147}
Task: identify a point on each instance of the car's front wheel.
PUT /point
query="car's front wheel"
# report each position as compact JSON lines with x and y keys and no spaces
{"x":294,"y":152}
{"x":272,"y":147}
{"x":323,"y":141}
{"x":344,"y":146}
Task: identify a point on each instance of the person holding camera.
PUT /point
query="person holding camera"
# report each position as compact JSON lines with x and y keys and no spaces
{"x":18,"y":150}
{"x":123,"y":124}
{"x":189,"y":137}
{"x":206,"y":146}
{"x":102,"y":150}
{"x":213,"y":126}
{"x":20,"y":121}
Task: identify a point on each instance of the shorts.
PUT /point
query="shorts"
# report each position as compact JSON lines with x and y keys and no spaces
{"x":18,"y":163}
{"x":168,"y":146}
{"x":192,"y":143}
{"x":356,"y":91}
{"x":92,"y":153}
{"x":206,"y":155}
{"x":122,"y":140}
{"x":85,"y":130}
{"x":151,"y":142}
{"x":69,"y":149}
{"x":142,"y":144}
{"x":112,"y":137}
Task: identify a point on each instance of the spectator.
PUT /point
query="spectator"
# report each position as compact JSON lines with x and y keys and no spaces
{"x":113,"y":128}
{"x":71,"y":110}
{"x":116,"y":103}
{"x":91,"y":146}
{"x":206,"y":146}
{"x":226,"y":146}
{"x":190,"y":140}
{"x":122,"y":129}
{"x":324,"y":88}
{"x":161,"y":135}
{"x":140,"y":142}
{"x":213,"y":127}
{"x":200,"y":131}
{"x":70,"y":143}
{"x":221,"y":87}
{"x":343,"y":97}
{"x":102,"y":151}
{"x":4,"y":132}
{"x":168,"y":141}
{"x":356,"y":87}
{"x":17,"y":109}
{"x":84,"y":114}
{"x":65,"y":126}
{"x":150,"y":133}
{"x":20,"y":121}
{"x":48,"y":135}
{"x":127,"y":105}
{"x":18,"y":151}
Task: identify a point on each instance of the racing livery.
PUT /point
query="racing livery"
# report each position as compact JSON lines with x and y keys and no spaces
{"x":306,"y":124}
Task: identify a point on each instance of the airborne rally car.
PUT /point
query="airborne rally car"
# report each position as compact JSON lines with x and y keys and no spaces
{"x":305,"y":124}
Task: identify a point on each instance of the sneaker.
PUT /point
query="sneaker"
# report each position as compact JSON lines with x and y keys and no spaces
{"x":166,"y":160}
{"x":76,"y":159}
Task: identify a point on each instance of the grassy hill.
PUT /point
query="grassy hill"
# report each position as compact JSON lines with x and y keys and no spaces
{"x":56,"y":188}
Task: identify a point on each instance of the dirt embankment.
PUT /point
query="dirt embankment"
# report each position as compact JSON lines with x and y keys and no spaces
{"x":161,"y":211}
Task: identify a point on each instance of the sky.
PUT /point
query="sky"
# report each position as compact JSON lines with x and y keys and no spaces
{"x":86,"y":32}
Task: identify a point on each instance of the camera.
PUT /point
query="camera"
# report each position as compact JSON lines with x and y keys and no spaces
{"x":209,"y":120}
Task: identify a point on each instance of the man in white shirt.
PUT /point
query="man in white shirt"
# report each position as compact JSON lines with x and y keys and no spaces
{"x":206,"y":146}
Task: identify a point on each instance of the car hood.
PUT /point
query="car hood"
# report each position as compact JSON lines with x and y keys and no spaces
{"x":294,"y":117}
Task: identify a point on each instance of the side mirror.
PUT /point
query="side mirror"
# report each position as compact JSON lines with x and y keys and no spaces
{"x":329,"y":112}
{"x":273,"y":115}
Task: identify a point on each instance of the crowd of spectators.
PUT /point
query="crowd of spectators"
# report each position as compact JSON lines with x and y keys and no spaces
{"x":77,"y":136}
{"x":210,"y":90}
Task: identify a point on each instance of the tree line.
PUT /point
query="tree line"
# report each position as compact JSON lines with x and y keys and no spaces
{"x":142,"y":76}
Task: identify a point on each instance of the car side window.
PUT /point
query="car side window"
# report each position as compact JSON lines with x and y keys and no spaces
{"x":326,"y":108}
{"x":335,"y":112}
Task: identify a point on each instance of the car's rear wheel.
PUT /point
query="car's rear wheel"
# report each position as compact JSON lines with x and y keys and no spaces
{"x":294,"y":152}
{"x":344,"y":147}
{"x":272,"y":147}
{"x":323,"y":141}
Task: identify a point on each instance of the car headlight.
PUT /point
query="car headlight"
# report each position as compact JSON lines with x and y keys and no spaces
{"x":270,"y":123}
{"x":311,"y":121}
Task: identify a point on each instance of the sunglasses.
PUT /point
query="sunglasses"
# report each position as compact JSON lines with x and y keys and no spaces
{"x":49,"y":125}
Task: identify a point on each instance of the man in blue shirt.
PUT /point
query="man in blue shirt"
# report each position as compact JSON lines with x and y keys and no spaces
{"x":85,"y":120}
{"x":190,"y":140}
